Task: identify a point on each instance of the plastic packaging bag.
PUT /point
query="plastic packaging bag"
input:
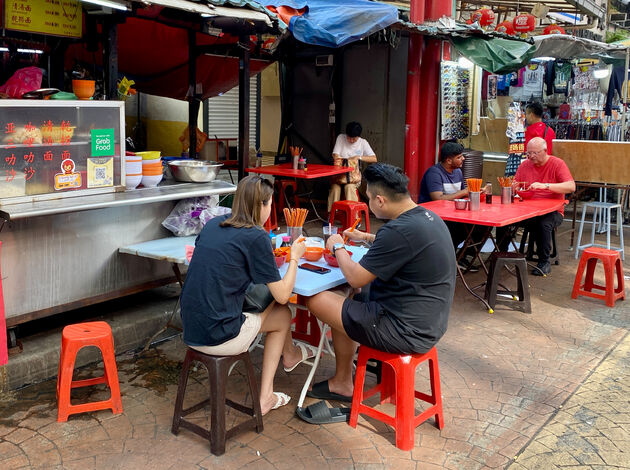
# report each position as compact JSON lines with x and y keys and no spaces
{"x":213,"y":212}
{"x":183,"y":220}
{"x":23,"y":81}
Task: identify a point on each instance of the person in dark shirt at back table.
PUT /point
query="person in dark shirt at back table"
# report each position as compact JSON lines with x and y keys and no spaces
{"x":410,"y":270}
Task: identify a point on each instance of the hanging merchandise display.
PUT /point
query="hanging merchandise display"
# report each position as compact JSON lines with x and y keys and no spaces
{"x":455,"y":85}
{"x":524,"y":23}
{"x":516,"y":135}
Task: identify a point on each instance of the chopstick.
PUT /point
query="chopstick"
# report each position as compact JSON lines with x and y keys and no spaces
{"x":474,"y":184}
{"x":354,"y":225}
{"x":295,"y":217}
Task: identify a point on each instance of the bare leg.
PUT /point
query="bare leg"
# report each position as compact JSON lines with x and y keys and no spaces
{"x":326,"y":306}
{"x":276,"y":322}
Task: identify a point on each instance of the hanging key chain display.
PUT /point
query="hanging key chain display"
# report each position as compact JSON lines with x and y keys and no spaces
{"x":455,"y":84}
{"x":516,"y":134}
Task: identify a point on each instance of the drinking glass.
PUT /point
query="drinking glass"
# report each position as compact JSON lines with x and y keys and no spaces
{"x":328,"y":231}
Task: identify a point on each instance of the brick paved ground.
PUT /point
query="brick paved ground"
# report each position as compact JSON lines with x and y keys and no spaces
{"x":509,"y":384}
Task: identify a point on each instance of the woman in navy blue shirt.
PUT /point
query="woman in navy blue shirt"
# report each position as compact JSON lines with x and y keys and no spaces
{"x":232,"y":252}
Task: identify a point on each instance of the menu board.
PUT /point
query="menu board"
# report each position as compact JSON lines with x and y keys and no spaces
{"x":55,"y":17}
{"x":49,"y":149}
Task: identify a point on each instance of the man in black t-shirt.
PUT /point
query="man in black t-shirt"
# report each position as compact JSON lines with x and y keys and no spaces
{"x":410,"y":269}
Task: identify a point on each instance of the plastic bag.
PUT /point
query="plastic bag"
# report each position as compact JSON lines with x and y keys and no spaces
{"x":213,"y":212}
{"x":183,"y":220}
{"x":22,"y":81}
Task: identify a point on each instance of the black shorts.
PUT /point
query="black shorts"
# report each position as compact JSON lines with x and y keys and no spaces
{"x":369,"y":324}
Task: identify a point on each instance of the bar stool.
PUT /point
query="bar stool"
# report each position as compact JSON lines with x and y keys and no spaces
{"x":218,"y":367}
{"x":498,"y":260}
{"x":612,"y":263}
{"x":604,"y":209}
{"x":347,"y":212}
{"x":73,"y":338}
{"x":398,"y":386}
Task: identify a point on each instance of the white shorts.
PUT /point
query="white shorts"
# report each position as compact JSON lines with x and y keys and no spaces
{"x":241,"y":343}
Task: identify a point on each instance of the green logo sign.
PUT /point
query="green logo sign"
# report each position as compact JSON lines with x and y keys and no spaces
{"x":102,"y":142}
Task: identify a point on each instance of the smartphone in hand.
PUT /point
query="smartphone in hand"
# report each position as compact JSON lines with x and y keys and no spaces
{"x":314,"y":268}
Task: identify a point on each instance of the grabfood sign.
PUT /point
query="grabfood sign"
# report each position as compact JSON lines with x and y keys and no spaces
{"x":103,"y":142}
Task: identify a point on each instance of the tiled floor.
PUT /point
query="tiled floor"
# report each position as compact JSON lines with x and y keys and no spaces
{"x":544,"y":390}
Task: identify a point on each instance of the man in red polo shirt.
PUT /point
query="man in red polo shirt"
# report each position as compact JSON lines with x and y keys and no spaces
{"x":546,"y":177}
{"x":537,"y":128}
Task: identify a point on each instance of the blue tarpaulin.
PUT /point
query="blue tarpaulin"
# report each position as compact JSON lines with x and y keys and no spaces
{"x":335,"y":23}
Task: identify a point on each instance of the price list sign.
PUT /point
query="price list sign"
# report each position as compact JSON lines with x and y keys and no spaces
{"x":55,"y":17}
{"x":37,"y":158}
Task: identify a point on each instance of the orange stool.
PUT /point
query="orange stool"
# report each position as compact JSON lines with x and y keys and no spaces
{"x":398,"y":386}
{"x":612,"y":262}
{"x":73,"y":338}
{"x":280,"y":189}
{"x":272,"y":222}
{"x":349,"y":211}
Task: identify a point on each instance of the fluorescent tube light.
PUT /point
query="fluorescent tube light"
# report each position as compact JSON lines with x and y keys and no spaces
{"x":107,"y":3}
{"x":30,"y":51}
{"x":4,"y":49}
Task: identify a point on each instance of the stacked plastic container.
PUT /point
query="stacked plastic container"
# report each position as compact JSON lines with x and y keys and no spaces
{"x":133,"y":170}
{"x":152,"y":171}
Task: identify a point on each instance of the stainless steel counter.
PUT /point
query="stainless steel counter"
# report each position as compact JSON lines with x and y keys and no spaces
{"x":166,"y":192}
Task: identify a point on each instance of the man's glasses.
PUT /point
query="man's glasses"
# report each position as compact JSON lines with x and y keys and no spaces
{"x":531,"y":153}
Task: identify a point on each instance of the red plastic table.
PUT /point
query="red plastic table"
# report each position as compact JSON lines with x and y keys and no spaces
{"x":490,"y":215}
{"x":312,"y":171}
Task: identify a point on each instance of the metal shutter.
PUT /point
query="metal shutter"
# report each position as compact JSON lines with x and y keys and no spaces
{"x":223,"y":113}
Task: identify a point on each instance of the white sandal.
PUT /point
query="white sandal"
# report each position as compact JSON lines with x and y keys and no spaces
{"x":305,"y":349}
{"x":282,"y":400}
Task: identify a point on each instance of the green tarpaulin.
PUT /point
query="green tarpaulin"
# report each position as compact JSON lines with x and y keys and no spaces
{"x":495,"y":55}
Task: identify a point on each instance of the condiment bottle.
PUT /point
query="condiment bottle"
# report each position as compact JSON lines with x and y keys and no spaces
{"x":259,"y":159}
{"x":286,"y":240}
{"x":301,"y":164}
{"x":488,"y":193}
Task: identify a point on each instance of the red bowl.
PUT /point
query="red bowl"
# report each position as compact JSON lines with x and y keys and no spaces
{"x":525,"y":194}
{"x":332,"y":260}
{"x":280,"y":260}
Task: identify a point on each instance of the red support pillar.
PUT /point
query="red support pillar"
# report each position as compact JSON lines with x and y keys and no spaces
{"x":412,"y":116}
{"x":429,"y":93}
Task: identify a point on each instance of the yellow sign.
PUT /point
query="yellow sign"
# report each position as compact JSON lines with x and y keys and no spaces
{"x":100,"y":172}
{"x":56,"y":17}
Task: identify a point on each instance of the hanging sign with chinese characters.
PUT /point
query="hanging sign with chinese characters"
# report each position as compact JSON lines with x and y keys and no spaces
{"x":55,"y":17}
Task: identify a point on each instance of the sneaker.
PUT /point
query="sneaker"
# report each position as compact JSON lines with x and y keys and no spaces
{"x":542,"y":269}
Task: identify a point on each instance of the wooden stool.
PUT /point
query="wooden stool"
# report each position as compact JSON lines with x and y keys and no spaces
{"x":218,"y":367}
{"x":530,"y":255}
{"x":349,"y":211}
{"x":498,"y":260}
{"x":612,"y":263}
{"x":73,"y":338}
{"x":398,"y":386}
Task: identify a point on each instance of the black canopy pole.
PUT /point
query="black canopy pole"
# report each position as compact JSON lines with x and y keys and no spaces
{"x":243,"y":106}
{"x":111,"y":59}
{"x":193,"y":103}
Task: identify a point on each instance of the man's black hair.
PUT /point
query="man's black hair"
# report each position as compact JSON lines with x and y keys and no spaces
{"x":388,"y":180}
{"x":450,"y":149}
{"x":353,"y":129}
{"x":535,"y":108}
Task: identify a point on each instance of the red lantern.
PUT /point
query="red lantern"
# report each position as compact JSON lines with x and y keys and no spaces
{"x":524,"y":23}
{"x":554,"y":29}
{"x":505,"y":27}
{"x":484,"y":16}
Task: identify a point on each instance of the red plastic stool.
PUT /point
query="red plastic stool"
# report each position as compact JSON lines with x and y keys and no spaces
{"x":272,"y":222}
{"x":612,"y":262}
{"x":280,"y":188}
{"x":73,"y":338}
{"x":398,"y":386}
{"x":349,"y":211}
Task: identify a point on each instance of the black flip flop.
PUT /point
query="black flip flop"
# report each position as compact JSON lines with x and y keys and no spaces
{"x":320,"y":390}
{"x":319,"y":413}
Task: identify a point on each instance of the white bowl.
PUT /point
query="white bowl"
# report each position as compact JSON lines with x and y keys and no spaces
{"x":149,"y":181}
{"x":133,"y":166}
{"x":132,"y":181}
